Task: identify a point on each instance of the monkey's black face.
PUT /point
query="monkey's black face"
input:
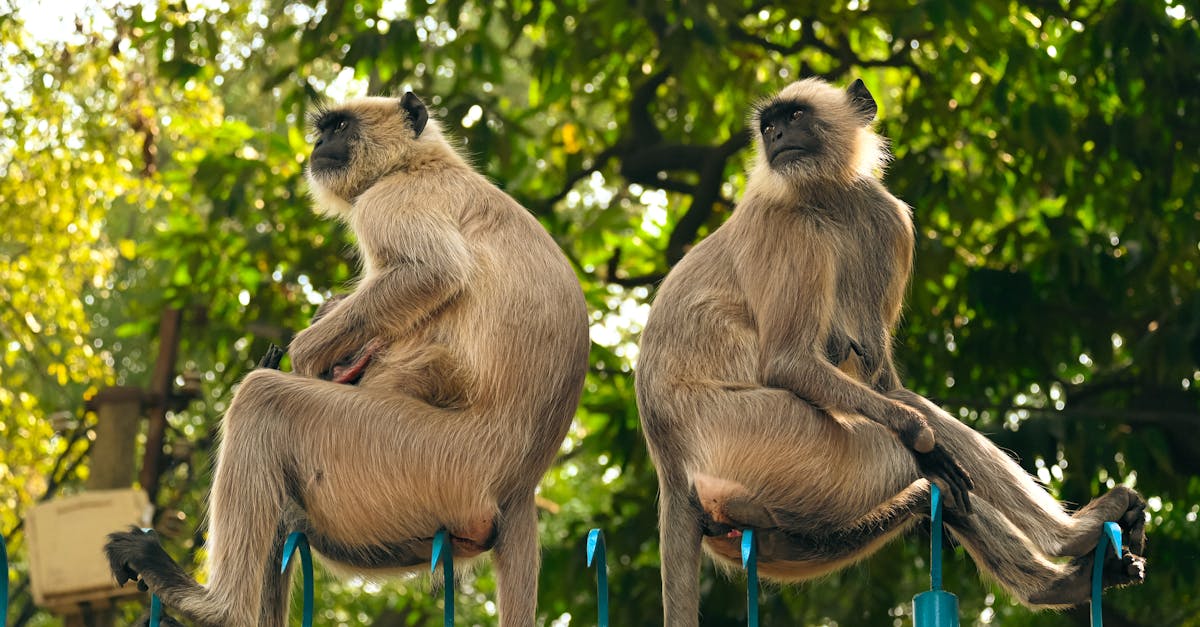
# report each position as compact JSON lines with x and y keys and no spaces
{"x":788,"y":133}
{"x":331,"y":151}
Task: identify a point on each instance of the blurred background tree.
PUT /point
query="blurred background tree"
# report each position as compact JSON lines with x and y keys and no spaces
{"x":152,"y":158}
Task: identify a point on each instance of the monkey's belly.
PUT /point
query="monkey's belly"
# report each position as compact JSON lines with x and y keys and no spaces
{"x":466,"y":541}
{"x":785,"y":558}
{"x":392,"y":524}
{"x":794,"y":547}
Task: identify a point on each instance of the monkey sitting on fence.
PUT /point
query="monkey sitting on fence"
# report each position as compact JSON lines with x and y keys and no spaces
{"x":769,"y":398}
{"x":476,"y":334}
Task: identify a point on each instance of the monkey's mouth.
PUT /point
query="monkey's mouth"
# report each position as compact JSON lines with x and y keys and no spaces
{"x":326,"y":164}
{"x":784,"y":155}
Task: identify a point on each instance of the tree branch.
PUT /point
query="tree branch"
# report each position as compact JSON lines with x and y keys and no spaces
{"x":545,"y":205}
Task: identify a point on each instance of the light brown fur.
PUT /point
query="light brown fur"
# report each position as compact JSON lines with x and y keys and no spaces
{"x":479,"y":332}
{"x":750,"y":425}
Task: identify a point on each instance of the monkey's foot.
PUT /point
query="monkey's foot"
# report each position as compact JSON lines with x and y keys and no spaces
{"x":271,"y":358}
{"x":1075,"y":586}
{"x":136,"y":555}
{"x":1127,"y":570}
{"x":1133,"y":527}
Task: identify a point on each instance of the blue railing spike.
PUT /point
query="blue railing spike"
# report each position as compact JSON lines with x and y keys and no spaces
{"x":935,"y":554}
{"x":1110,"y":533}
{"x":155,"y":604}
{"x":155,"y":611}
{"x":935,"y":608}
{"x":596,"y":552}
{"x":595,"y":537}
{"x":1114,"y":535}
{"x":297,"y":540}
{"x":445,"y":553}
{"x":750,"y":563}
{"x":3,"y":583}
{"x":439,"y":539}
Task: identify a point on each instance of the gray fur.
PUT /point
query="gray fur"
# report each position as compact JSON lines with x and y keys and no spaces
{"x":478,"y":329}
{"x":749,"y":424}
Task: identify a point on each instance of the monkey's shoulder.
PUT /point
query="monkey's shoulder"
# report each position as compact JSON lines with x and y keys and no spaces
{"x":703,"y":288}
{"x":866,"y":199}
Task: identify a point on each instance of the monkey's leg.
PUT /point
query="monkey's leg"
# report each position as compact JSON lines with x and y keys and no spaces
{"x":680,"y":535}
{"x":1004,"y":484}
{"x":288,"y":440}
{"x":246,"y":534}
{"x":277,"y":586}
{"x":777,"y":459}
{"x":999,"y":548}
{"x":1121,"y":505}
{"x":515,"y":559}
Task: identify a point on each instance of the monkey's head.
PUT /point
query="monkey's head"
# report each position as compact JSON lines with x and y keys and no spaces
{"x":363,"y":140}
{"x":812,"y":131}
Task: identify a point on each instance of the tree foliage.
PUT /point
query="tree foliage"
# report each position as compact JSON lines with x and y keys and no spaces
{"x":152,"y":158}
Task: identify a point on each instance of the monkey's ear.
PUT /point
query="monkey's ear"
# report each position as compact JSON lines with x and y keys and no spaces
{"x":418,"y":115}
{"x":862,"y":101}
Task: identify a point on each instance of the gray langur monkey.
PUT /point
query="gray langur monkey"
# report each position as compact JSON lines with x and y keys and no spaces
{"x":750,"y":425}
{"x":472,"y":333}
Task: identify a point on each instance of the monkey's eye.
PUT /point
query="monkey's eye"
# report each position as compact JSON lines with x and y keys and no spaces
{"x":796,"y":114}
{"x":767,"y":128}
{"x":341,"y":126}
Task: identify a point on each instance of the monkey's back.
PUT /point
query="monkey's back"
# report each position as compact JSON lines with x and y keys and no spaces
{"x":700,"y":336}
{"x":700,"y":327}
{"x":510,"y":350}
{"x":700,"y":365}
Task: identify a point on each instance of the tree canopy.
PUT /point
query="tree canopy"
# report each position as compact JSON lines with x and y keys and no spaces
{"x":152,"y":158}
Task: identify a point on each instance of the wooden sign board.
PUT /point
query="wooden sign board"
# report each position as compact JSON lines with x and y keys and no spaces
{"x":66,"y":544}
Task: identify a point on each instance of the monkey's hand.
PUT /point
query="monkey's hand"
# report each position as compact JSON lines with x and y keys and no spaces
{"x":939,"y":467}
{"x":316,"y":350}
{"x":910,"y":426}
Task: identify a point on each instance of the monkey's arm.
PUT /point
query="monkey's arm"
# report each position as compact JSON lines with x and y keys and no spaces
{"x":886,"y":379}
{"x":418,"y":270}
{"x":791,"y":293}
{"x":816,"y":380}
{"x":351,"y":367}
{"x":937,"y":464}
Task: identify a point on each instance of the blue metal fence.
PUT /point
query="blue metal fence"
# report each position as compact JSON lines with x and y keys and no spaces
{"x":934,"y":608}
